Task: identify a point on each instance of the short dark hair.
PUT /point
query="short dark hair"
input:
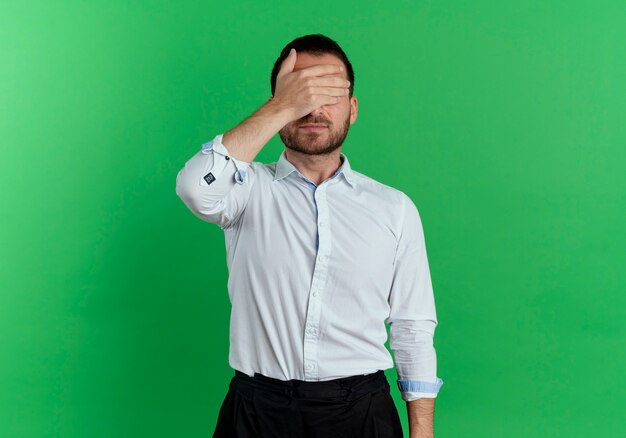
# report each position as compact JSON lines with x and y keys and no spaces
{"x":315,"y":44}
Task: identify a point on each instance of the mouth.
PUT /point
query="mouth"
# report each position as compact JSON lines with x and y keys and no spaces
{"x":313,"y":127}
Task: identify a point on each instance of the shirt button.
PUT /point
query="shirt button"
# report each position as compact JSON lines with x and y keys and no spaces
{"x":322,"y":258}
{"x":240,"y":176}
{"x":227,"y":157}
{"x":314,"y":294}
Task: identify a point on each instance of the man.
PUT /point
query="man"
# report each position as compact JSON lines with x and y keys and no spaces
{"x":320,"y":257}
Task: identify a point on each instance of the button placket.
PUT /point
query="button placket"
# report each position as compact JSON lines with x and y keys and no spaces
{"x":311,"y":329}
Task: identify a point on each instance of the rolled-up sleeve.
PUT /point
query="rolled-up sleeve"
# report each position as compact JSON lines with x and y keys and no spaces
{"x":214,"y":185}
{"x":413,"y":317}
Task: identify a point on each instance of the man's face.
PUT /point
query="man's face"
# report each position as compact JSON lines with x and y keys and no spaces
{"x":338,"y":117}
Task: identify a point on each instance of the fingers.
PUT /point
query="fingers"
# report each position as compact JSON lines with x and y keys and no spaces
{"x":328,"y":81}
{"x":330,"y":91}
{"x":322,"y":69}
{"x":328,"y":85}
{"x":288,"y":63}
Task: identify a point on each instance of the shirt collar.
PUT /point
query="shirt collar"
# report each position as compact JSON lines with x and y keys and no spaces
{"x":284,"y":168}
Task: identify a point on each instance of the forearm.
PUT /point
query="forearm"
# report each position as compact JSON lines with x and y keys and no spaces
{"x":245,"y":140}
{"x":421,"y":414}
{"x":207,"y":182}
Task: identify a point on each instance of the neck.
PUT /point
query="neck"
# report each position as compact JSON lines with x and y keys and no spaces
{"x":317,"y":168}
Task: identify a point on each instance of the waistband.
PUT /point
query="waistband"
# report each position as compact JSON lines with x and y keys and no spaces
{"x":343,"y":388}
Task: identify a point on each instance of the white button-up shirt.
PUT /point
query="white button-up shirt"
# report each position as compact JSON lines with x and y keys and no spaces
{"x":315,"y":271}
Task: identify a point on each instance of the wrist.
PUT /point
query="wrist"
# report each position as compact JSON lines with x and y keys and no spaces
{"x":278,"y":111}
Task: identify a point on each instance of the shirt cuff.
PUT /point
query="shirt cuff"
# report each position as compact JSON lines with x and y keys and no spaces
{"x":414,"y":389}
{"x":216,"y":146}
{"x":410,"y":396}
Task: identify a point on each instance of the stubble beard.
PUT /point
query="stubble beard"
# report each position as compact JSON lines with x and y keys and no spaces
{"x":311,"y":143}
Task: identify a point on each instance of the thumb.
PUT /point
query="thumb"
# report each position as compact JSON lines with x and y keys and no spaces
{"x":288,"y":63}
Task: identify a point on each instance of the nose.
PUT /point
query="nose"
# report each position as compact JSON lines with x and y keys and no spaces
{"x":319,"y":112}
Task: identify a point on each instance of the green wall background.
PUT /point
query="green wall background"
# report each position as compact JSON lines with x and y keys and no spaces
{"x":503,"y":121}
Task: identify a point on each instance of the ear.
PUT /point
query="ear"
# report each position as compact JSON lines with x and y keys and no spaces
{"x":354,"y":109}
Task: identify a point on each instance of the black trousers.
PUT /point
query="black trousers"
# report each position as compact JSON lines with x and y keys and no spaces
{"x":357,"y":406}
